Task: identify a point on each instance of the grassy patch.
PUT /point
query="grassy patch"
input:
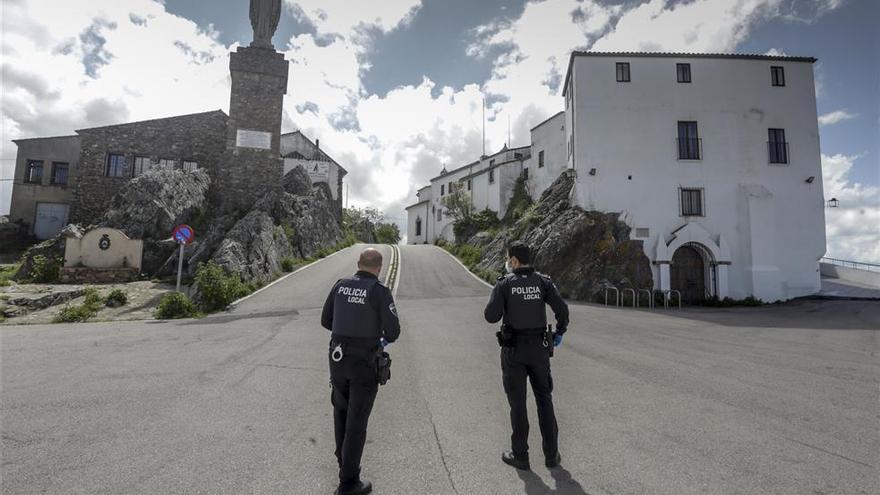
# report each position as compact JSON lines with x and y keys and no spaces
{"x":6,"y":274}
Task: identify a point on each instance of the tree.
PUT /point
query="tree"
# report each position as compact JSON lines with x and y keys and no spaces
{"x":387,"y":233}
{"x":458,"y":205}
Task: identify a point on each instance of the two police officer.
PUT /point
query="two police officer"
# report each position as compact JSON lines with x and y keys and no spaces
{"x":527,"y":343}
{"x":360,"y":313}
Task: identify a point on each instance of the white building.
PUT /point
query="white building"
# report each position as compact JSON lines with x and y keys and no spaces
{"x":713,"y":160}
{"x":490,"y":181}
{"x":299,"y":151}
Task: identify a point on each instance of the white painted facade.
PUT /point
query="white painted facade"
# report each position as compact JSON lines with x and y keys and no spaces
{"x":489,"y":182}
{"x":761,"y":231}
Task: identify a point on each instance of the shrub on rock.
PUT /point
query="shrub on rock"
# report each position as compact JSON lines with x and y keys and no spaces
{"x":175,"y":305}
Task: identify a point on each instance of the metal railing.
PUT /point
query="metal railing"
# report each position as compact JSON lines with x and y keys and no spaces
{"x":690,"y":148}
{"x":667,"y":297}
{"x":777,"y":152}
{"x":858,"y":265}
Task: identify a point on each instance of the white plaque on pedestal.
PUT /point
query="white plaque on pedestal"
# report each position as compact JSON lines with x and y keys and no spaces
{"x":253,"y":139}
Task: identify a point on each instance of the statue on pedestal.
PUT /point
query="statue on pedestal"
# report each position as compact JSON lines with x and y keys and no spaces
{"x":264,"y":19}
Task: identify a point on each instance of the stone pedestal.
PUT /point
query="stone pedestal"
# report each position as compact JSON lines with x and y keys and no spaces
{"x":252,"y":165}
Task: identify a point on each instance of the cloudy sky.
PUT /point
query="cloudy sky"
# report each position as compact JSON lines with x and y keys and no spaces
{"x":393,"y":88}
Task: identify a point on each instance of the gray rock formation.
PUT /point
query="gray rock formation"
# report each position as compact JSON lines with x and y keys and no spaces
{"x":51,"y":249}
{"x":582,"y":250}
{"x":297,"y":222}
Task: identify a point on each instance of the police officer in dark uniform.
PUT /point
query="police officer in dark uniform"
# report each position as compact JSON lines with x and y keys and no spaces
{"x":361,"y":315}
{"x":519,"y":297}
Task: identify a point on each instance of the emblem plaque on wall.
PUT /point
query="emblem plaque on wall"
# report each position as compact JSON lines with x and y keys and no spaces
{"x":104,"y":243}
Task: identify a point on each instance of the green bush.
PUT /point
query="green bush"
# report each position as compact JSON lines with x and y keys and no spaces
{"x":218,"y":288}
{"x":46,"y":270}
{"x":6,"y":274}
{"x":75,"y":314}
{"x":288,"y":264}
{"x":469,"y":255}
{"x":175,"y":305}
{"x":116,"y":298}
{"x":92,"y":297}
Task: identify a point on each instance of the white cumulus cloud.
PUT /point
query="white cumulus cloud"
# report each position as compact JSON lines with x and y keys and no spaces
{"x":853,"y":228}
{"x":834,"y":117}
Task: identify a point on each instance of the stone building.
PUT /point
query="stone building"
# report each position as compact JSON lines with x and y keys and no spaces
{"x":111,"y":155}
{"x":299,"y":151}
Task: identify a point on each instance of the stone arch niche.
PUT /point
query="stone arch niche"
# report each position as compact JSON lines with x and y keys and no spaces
{"x":712,"y":251}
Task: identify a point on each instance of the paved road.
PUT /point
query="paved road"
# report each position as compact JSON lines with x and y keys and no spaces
{"x":754,"y":400}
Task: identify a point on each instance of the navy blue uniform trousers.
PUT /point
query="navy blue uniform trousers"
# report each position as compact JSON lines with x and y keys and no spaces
{"x":529,"y":360}
{"x":354,"y":384}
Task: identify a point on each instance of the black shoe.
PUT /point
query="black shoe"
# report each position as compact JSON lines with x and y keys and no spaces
{"x":552,"y":462}
{"x":517,"y":462}
{"x":361,"y":488}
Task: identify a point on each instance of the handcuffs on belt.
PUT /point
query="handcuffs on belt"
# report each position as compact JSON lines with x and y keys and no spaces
{"x":337,"y":353}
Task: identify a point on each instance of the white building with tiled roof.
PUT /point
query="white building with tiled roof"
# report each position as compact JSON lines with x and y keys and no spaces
{"x":713,"y":160}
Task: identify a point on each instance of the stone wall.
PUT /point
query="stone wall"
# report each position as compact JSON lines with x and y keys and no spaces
{"x":259,"y":82}
{"x":197,"y":137}
{"x":82,"y":275}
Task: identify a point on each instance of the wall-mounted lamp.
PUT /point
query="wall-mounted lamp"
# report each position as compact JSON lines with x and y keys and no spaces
{"x":810,"y":179}
{"x":592,"y":171}
{"x":832,"y":203}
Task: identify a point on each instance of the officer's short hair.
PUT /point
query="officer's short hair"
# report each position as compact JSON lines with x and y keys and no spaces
{"x":370,"y":258}
{"x":520,"y":251}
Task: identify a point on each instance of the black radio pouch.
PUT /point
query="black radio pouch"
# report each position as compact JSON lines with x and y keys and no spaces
{"x":505,"y":338}
{"x":383,"y":367}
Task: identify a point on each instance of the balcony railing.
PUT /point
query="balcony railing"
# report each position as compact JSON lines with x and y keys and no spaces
{"x":777,"y":152}
{"x":858,"y":265}
{"x":690,"y":148}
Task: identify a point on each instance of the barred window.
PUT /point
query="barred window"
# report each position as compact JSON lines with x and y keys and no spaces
{"x":540,"y":158}
{"x":691,"y":202}
{"x":777,"y":75}
{"x":60,"y":172}
{"x":142,"y":165}
{"x":34,"y":172}
{"x":190,"y":166}
{"x":115,"y":165}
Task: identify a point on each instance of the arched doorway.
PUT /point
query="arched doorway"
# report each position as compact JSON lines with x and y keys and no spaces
{"x":687,"y":274}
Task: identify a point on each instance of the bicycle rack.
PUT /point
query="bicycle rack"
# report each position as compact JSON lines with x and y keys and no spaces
{"x":650,"y":298}
{"x":667,"y":295}
{"x":616,"y":295}
{"x":623,"y":293}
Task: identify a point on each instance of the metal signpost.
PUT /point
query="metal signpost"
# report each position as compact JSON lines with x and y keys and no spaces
{"x":183,"y":234}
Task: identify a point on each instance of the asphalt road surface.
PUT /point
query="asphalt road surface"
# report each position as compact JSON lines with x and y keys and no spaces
{"x":772,"y":400}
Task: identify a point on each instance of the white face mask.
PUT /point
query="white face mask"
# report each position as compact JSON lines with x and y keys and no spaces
{"x":507,"y":267}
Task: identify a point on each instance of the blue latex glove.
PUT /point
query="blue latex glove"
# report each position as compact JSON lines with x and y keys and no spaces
{"x":557,"y":339}
{"x":383,"y":342}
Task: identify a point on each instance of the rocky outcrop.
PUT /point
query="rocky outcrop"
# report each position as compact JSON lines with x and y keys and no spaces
{"x":582,"y":250}
{"x":281,"y":225}
{"x":51,"y":249}
{"x":151,"y":205}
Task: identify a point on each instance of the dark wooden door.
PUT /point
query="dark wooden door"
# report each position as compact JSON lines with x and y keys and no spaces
{"x":688,"y":274}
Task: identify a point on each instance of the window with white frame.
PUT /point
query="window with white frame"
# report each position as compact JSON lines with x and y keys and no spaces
{"x":190,"y":166}
{"x":166,"y":163}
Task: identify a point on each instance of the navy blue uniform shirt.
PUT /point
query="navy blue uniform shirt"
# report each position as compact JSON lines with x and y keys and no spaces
{"x":519,"y":298}
{"x":361,"y":310}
